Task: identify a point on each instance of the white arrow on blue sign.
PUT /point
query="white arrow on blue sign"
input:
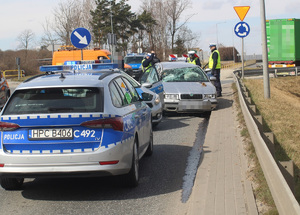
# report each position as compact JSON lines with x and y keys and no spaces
{"x":242,"y":29}
{"x":80,"y":38}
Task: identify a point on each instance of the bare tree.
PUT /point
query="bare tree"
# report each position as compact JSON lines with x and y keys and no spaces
{"x":87,"y":6}
{"x":189,"y":38}
{"x":67,"y":17}
{"x":25,"y":39}
{"x":157,"y":37}
{"x":49,"y":38}
{"x":174,"y":10}
{"x":168,"y":15}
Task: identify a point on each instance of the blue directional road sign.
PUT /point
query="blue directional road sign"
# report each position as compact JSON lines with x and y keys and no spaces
{"x":242,"y":29}
{"x":80,"y":38}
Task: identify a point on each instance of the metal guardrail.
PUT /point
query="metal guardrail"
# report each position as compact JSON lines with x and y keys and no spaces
{"x":285,"y":200}
{"x":236,"y":65}
{"x":15,"y":73}
{"x":283,"y":71}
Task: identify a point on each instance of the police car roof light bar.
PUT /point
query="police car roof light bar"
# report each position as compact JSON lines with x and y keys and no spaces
{"x":79,"y":67}
{"x":51,"y":68}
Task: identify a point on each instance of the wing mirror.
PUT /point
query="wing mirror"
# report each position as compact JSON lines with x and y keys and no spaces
{"x":147,"y":85}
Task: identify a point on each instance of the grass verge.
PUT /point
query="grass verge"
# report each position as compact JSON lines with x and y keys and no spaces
{"x":281,"y":116}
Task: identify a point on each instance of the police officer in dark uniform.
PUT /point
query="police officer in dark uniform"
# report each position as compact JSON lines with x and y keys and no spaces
{"x":149,"y":61}
{"x":193,"y":59}
{"x":214,"y":64}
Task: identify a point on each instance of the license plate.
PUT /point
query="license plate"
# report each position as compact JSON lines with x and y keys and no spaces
{"x":51,"y":134}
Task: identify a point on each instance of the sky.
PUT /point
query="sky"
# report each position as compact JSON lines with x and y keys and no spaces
{"x":213,"y":20}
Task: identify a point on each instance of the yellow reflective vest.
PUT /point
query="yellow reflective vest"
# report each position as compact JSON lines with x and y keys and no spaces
{"x":211,"y":61}
{"x":193,"y":61}
{"x":144,"y":69}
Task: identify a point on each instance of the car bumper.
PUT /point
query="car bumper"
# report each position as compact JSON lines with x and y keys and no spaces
{"x":190,"y":106}
{"x":156,"y":112}
{"x":75,"y":164}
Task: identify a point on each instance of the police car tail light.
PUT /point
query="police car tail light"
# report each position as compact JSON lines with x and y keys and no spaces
{"x":108,"y":162}
{"x":6,"y":126}
{"x":114,"y":123}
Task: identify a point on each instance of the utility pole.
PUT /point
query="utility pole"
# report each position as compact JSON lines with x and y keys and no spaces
{"x":112,"y":32}
{"x":264,"y":50}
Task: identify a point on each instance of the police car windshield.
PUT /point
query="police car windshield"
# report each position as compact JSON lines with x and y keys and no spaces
{"x":133,"y":59}
{"x":187,"y":74}
{"x":55,"y":100}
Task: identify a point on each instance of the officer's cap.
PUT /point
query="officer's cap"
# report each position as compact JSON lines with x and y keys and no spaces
{"x":191,"y":52}
{"x":212,"y":44}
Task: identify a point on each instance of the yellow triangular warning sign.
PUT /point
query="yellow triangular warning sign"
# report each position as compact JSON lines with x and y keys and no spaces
{"x":241,"y":11}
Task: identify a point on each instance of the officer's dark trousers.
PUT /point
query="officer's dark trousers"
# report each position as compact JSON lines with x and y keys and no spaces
{"x":218,"y":83}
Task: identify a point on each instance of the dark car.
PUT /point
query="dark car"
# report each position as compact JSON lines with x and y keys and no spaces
{"x":4,"y":90}
{"x":135,"y":61}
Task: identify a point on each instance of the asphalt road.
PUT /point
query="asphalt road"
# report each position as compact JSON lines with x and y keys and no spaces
{"x":164,"y":184}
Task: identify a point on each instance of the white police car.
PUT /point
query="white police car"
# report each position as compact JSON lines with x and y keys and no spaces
{"x":151,"y":79}
{"x":74,"y":123}
{"x":151,"y":98}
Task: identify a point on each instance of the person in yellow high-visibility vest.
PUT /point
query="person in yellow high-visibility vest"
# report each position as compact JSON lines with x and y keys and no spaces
{"x":149,"y":60}
{"x":214,"y":64}
{"x":193,"y":59}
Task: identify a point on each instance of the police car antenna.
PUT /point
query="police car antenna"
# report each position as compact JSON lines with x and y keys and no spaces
{"x":62,"y":76}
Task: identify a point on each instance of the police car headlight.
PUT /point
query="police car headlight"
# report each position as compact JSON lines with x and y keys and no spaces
{"x":157,"y":100}
{"x":209,"y":96}
{"x":172,"y":96}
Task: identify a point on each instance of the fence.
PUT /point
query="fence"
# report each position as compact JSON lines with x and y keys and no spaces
{"x":13,"y":73}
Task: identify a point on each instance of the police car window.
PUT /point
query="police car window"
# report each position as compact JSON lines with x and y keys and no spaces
{"x":133,"y":60}
{"x":55,"y":100}
{"x":126,"y":96}
{"x":115,"y":95}
{"x":134,"y":94}
{"x":150,"y":76}
{"x":131,"y":80}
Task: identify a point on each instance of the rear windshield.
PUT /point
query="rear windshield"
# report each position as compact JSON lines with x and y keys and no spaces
{"x":133,"y":60}
{"x":55,"y":100}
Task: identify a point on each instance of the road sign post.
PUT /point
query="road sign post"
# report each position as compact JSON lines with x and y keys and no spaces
{"x":18,"y":61}
{"x":81,"y":38}
{"x":242,"y":29}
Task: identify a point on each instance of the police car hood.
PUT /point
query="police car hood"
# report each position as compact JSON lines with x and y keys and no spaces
{"x":189,"y":87}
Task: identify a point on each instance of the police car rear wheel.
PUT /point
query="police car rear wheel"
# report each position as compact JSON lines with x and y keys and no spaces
{"x":12,"y":183}
{"x":149,"y":151}
{"x":132,"y":178}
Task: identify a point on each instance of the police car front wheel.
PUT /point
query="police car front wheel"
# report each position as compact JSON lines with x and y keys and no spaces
{"x":12,"y":183}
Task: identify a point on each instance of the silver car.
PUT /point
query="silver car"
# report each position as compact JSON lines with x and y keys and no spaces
{"x":74,"y":123}
{"x":187,"y":88}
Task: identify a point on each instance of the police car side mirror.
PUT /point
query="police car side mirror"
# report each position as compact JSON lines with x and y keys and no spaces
{"x":147,"y":96}
{"x":212,"y":78}
{"x":147,"y":85}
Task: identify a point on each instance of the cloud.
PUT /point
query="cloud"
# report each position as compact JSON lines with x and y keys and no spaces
{"x":213,"y":5}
